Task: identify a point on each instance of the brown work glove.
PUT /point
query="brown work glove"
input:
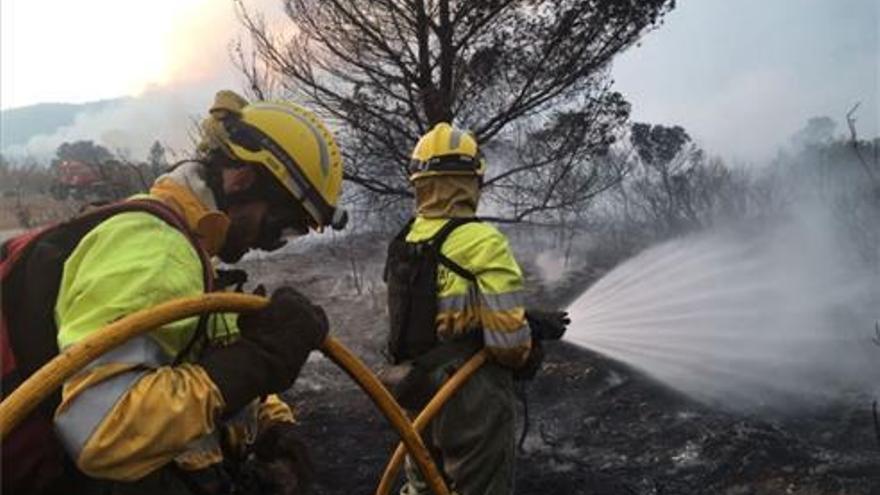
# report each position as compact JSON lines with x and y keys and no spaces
{"x":283,"y":465}
{"x":275,"y":343}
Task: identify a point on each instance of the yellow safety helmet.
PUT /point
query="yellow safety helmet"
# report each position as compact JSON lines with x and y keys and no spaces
{"x":445,"y":150}
{"x":291,"y":142}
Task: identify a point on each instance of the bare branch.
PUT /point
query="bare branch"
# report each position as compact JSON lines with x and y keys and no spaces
{"x":876,"y":422}
{"x":385,"y":70}
{"x":854,"y":142}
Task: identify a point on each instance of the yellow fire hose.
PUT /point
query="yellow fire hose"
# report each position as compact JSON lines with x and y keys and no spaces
{"x":51,"y":376}
{"x":452,"y":385}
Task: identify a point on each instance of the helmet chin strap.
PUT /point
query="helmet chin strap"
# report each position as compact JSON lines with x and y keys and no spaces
{"x":238,"y":197}
{"x":274,"y":246}
{"x":214,"y":178}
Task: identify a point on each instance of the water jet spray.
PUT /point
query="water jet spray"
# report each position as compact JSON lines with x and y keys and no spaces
{"x":770,"y":318}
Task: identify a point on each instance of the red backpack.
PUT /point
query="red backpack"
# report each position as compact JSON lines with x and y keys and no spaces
{"x":31,"y":266}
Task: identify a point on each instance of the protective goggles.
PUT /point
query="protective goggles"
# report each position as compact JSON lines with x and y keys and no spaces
{"x":448,"y":163}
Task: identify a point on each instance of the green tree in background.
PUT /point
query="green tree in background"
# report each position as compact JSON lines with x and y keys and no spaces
{"x":157,"y":159}
{"x":83,"y":151}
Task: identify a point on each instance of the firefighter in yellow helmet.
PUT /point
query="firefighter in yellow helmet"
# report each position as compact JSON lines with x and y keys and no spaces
{"x":454,"y":287}
{"x":164,"y":412}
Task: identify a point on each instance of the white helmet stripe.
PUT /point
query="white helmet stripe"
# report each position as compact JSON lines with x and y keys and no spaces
{"x":454,"y":139}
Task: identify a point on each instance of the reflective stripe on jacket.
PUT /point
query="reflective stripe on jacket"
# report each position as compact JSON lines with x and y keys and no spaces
{"x":131,"y":412}
{"x":497,"y":307}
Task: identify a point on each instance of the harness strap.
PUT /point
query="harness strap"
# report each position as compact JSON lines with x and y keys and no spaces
{"x":522,"y":394}
{"x":440,"y":237}
{"x":14,"y":248}
{"x":171,"y":217}
{"x":17,"y":247}
{"x":39,"y":459}
{"x":456,"y":268}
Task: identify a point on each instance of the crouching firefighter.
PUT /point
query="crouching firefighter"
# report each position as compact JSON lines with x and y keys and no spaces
{"x":189,"y":407}
{"x":454,"y":287}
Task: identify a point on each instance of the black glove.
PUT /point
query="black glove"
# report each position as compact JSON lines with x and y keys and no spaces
{"x":533,"y":363}
{"x":547,"y":325}
{"x":275,"y":343}
{"x":287,"y":310}
{"x":283,"y":464}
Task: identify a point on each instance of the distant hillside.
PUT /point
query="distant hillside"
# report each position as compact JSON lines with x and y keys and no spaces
{"x":18,"y":125}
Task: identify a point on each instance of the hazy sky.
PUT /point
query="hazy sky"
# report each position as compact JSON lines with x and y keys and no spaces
{"x":86,"y":50}
{"x":76,"y":51}
{"x":740,"y":75}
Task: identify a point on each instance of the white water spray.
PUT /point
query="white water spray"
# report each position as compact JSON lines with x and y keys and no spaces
{"x":773,"y":318}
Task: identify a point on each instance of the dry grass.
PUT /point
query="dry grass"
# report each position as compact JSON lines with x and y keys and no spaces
{"x":33,"y":211}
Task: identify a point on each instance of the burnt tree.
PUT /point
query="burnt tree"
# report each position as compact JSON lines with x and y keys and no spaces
{"x":528,"y":78}
{"x":673,"y":188}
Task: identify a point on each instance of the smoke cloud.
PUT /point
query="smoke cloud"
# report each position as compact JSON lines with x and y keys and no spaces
{"x":199,"y":59}
{"x":741,"y":77}
{"x":777,"y":316}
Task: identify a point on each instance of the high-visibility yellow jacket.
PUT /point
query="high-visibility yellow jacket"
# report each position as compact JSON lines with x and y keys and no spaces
{"x":131,"y":412}
{"x":495,"y":305}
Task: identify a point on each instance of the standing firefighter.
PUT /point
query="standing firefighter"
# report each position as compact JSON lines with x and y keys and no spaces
{"x":454,"y":287}
{"x":174,"y":410}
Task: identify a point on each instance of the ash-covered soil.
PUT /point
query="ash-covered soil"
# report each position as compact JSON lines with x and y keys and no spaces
{"x":596,"y":426}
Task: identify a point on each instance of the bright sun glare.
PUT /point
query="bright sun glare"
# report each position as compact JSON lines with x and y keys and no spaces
{"x":55,"y":50}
